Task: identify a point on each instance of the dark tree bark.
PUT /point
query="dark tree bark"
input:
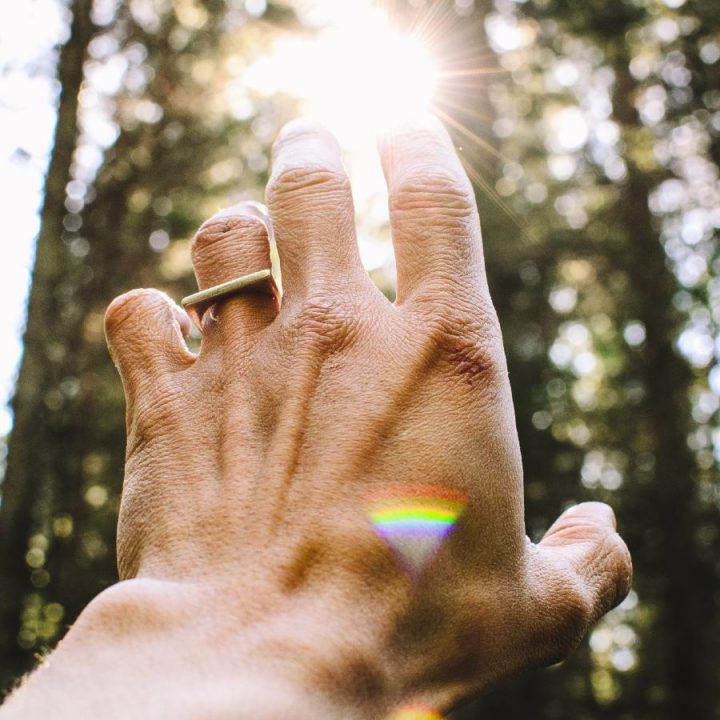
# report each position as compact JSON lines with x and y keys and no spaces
{"x":669,"y":505}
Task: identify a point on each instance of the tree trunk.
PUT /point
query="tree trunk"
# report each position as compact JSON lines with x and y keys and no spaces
{"x":668,"y":504}
{"x":32,"y":452}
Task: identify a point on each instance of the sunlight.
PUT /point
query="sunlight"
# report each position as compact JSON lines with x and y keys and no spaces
{"x":355,"y":75}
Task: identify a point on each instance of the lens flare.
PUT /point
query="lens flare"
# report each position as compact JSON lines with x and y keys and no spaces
{"x":415,"y":712}
{"x":356,"y":74}
{"x":414,"y":521}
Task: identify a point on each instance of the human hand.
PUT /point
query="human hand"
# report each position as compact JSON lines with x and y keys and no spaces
{"x":252,"y":468}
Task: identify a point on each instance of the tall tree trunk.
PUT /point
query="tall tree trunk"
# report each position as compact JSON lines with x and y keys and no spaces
{"x":33,"y":449}
{"x":668,"y":504}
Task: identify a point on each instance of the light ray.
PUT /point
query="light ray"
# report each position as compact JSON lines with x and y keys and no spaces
{"x":415,"y":520}
{"x":469,"y":134}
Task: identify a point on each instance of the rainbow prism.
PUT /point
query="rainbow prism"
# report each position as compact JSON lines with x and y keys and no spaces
{"x":414,"y":520}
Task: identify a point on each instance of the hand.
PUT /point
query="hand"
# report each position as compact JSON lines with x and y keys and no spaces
{"x":252,"y":467}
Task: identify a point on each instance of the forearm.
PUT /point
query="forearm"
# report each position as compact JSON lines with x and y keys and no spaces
{"x":140,"y":651}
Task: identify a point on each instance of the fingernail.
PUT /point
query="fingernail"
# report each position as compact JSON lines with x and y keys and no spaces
{"x":247,"y":207}
{"x":183,"y":320}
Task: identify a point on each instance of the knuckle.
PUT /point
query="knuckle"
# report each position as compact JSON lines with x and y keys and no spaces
{"x":326,"y":322}
{"x":467,"y":342}
{"x":298,"y":180}
{"x":160,"y":412}
{"x":134,"y":305}
{"x":448,"y":193}
{"x":154,"y":415}
{"x":216,"y":233}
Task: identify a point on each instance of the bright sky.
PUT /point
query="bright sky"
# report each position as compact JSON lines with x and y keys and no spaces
{"x":28,"y":30}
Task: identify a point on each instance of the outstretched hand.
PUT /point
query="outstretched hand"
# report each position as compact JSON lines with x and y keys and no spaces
{"x":254,"y":468}
{"x":253,"y":465}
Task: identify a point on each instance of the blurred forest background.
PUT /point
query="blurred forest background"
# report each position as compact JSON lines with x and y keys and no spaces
{"x":592,"y":132}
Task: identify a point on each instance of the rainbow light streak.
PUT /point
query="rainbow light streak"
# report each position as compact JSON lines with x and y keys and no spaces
{"x":414,"y":520}
{"x":415,"y":712}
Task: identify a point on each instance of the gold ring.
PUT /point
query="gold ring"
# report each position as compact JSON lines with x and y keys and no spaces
{"x":196,"y":304}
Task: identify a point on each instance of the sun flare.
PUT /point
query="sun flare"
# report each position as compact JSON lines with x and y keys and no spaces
{"x":355,"y":75}
{"x":361,"y":69}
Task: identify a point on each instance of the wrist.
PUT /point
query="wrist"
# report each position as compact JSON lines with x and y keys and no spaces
{"x":266,"y":658}
{"x":170,"y":649}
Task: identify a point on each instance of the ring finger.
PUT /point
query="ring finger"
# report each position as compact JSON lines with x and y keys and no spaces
{"x":232,"y":244}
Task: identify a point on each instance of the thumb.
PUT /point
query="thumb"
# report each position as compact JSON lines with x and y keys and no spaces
{"x":584,"y":539}
{"x":581,"y":569}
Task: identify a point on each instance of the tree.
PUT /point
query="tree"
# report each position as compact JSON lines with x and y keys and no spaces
{"x":160,"y":149}
{"x":30,"y":463}
{"x":600,"y":94}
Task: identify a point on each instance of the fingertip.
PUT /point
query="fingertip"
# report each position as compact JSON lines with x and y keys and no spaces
{"x":141,"y":327}
{"x":591,"y":566}
{"x":245,"y":207}
{"x":303,"y":128}
{"x":592,"y":511}
{"x":127,"y":307}
{"x":417,"y":122}
{"x":232,"y":243}
{"x":413,"y":126}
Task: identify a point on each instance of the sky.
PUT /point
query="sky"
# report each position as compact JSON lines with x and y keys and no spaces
{"x":28,"y":32}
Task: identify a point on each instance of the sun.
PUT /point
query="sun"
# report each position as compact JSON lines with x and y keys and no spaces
{"x":356,"y":74}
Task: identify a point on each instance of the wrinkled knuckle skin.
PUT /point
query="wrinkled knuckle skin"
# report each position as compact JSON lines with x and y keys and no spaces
{"x":448,"y":194}
{"x":303,"y":181}
{"x":219,"y":235}
{"x":326,"y":322}
{"x":156,"y":414}
{"x":133,"y":306}
{"x":469,"y":345}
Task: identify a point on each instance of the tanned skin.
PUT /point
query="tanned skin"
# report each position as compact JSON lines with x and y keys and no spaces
{"x":253,"y":584}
